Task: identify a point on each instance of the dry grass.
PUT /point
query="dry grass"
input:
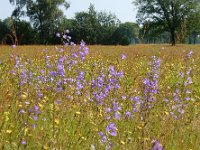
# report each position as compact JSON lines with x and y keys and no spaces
{"x":78,"y":122}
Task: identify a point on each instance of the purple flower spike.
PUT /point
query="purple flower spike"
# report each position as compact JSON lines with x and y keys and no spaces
{"x":189,"y":54}
{"x":128,"y":114}
{"x":35,"y":118}
{"x":157,"y":146}
{"x":104,"y":139}
{"x":23,"y":142}
{"x":14,"y":46}
{"x":123,"y":56}
{"x":117,"y":116}
{"x":111,"y":129}
{"x":21,"y":111}
{"x":58,"y":102}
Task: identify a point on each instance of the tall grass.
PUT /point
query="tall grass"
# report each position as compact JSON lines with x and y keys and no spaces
{"x":115,"y":97}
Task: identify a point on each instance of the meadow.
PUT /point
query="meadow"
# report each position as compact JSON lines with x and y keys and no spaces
{"x":137,"y":97}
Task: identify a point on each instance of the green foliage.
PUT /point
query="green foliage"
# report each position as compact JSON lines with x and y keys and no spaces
{"x":95,"y":27}
{"x":125,"y":34}
{"x":45,"y":16}
{"x":108,"y":24}
{"x":3,"y":30}
{"x":87,"y":27}
{"x":193,"y":26}
{"x":26,"y":34}
{"x":159,"y":21}
{"x":170,"y":14}
{"x":17,"y":32}
{"x":19,"y":5}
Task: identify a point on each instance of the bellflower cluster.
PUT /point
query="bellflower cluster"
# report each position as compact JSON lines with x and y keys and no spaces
{"x":64,"y":37}
{"x":80,"y":81}
{"x":41,"y":78}
{"x":103,"y":137}
{"x":182,"y":94}
{"x":105,"y":84}
{"x":157,"y":145}
{"x":136,"y":103}
{"x":111,"y":129}
{"x":21,"y":71}
{"x":47,"y":61}
{"x":61,"y":67}
{"x":151,"y":84}
{"x":24,"y":76}
{"x":83,"y":50}
{"x":123,"y":56}
{"x":105,"y":141}
{"x":34,"y":112}
{"x":115,"y":110}
{"x":77,"y":56}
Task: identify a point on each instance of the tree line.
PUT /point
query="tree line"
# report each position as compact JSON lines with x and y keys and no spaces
{"x":177,"y":19}
{"x":158,"y":21}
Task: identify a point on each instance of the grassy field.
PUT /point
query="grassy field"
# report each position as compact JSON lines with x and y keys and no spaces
{"x":136,"y":97}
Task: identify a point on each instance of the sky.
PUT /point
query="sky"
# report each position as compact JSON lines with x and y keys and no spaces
{"x":123,"y":9}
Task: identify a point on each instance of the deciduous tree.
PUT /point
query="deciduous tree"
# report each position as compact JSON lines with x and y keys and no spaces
{"x":46,"y":15}
{"x":170,"y":14}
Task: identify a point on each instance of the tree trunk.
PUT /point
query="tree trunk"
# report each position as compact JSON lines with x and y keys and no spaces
{"x":173,"y":37}
{"x":190,"y":39}
{"x":194,"y":38}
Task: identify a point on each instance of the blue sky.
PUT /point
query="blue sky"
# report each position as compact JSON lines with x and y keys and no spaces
{"x":123,"y":9}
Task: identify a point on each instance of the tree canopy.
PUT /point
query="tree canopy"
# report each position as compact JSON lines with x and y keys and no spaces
{"x":45,"y":16}
{"x":158,"y":21}
{"x":172,"y":15}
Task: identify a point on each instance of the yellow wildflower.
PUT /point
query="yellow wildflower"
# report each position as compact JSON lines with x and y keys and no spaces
{"x":8,"y":131}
